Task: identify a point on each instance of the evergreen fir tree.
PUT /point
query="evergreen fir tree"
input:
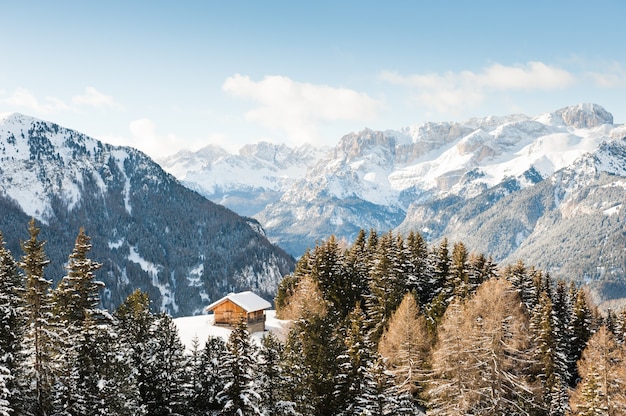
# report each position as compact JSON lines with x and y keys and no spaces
{"x":311,"y":355}
{"x":12,"y":323}
{"x":77,"y":295}
{"x":480,"y":270}
{"x":272,"y":380}
{"x":297,"y":372}
{"x":357,"y":266}
{"x":353,"y":363}
{"x":328,"y":271}
{"x":81,"y":326}
{"x":134,"y":325}
{"x":166,"y":364}
{"x":524,"y":282}
{"x":380,"y":396}
{"x":562,"y":317}
{"x":582,"y":328}
{"x":39,"y":334}
{"x":459,"y":271}
{"x":438,"y":297}
{"x":239,"y":395}
{"x":417,"y":281}
{"x":210,"y":381}
{"x":387,"y":283}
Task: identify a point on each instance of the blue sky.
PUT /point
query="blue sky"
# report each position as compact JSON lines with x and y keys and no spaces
{"x":163,"y":75}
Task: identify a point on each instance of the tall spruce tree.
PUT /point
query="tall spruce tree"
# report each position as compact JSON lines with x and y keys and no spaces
{"x":353,"y":363}
{"x":438,"y":297}
{"x":134,"y":323}
{"x":210,"y":380}
{"x":165,"y":370}
{"x":239,"y":395}
{"x":12,"y":322}
{"x":39,"y":334}
{"x":417,"y":281}
{"x":272,"y":381}
{"x":357,"y":266}
{"x":77,"y":296}
{"x":82,"y":326}
{"x":388,"y":283}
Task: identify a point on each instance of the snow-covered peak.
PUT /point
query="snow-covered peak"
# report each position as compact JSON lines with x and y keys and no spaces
{"x":44,"y":163}
{"x":578,"y":116}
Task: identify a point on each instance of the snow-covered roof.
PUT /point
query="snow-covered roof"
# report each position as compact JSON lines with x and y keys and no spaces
{"x":249,"y":301}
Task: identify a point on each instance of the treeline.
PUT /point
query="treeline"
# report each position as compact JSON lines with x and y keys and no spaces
{"x":385,"y":326}
{"x":60,"y":354}
{"x":458,"y":334}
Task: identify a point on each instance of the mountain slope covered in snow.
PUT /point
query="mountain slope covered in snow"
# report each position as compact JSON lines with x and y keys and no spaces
{"x":148,"y":230}
{"x":485,"y":181}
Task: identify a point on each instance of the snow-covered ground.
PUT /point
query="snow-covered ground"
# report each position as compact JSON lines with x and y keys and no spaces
{"x":201,"y":327}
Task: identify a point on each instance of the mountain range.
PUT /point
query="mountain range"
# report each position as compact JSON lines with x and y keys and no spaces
{"x":547,"y":189}
{"x":148,"y":230}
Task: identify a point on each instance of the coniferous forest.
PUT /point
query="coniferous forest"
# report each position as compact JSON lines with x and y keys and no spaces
{"x":386,"y":325}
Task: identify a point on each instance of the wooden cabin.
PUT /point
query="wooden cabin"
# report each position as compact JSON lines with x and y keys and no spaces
{"x":229,"y":310}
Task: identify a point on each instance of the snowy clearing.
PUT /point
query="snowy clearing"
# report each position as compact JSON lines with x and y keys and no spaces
{"x":201,"y":327}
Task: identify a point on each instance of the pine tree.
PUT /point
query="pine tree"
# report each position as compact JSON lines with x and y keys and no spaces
{"x":438,"y":297}
{"x":524,"y":282}
{"x":134,"y":325}
{"x":81,"y":325}
{"x":99,"y":378}
{"x":239,"y":395}
{"x":11,"y":333}
{"x":551,"y":329}
{"x":481,"y":269}
{"x":417,"y":281}
{"x":311,"y":354}
{"x":298,"y":388}
{"x":165,"y":364}
{"x":357,"y":266}
{"x":272,"y":380}
{"x":387,"y":283}
{"x":380,"y":395}
{"x":77,"y":295}
{"x":39,"y":334}
{"x":582,"y":328}
{"x":210,"y":382}
{"x":602,"y":389}
{"x":328,"y":271}
{"x":459,"y":271}
{"x":353,"y":363}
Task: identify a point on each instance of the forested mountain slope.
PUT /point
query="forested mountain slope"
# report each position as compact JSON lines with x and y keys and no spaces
{"x":148,"y":230}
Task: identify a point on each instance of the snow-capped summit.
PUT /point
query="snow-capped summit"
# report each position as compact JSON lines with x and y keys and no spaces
{"x":372,"y":179}
{"x":245,"y":182}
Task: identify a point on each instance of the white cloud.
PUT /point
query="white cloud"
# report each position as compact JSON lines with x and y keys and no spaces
{"x":613,"y":76}
{"x":24,"y":99}
{"x":297,"y":108}
{"x":452,"y":91}
{"x":95,"y":98}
